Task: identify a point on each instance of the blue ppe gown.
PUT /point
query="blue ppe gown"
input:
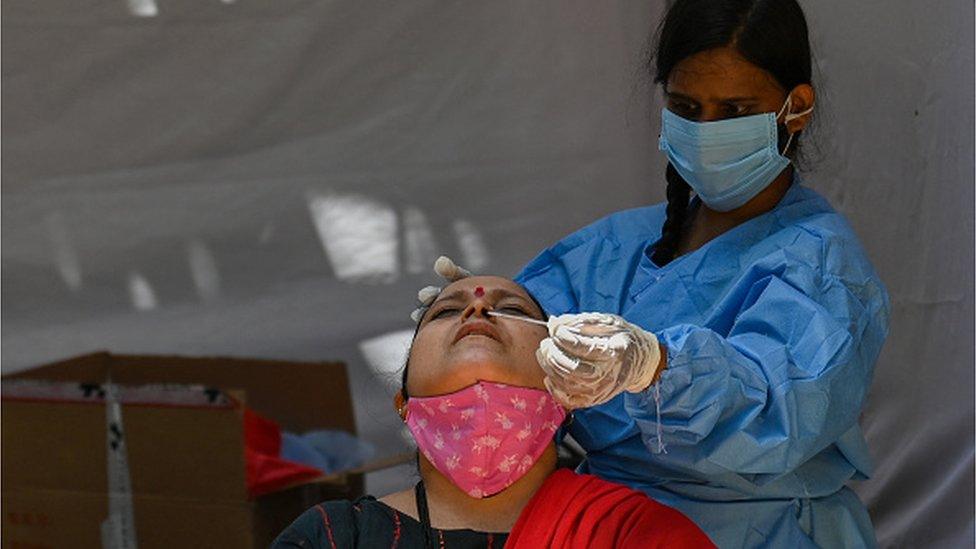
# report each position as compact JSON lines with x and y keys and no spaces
{"x":772,"y":331}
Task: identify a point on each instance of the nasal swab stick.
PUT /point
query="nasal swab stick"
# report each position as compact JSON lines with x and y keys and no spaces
{"x":522,"y":318}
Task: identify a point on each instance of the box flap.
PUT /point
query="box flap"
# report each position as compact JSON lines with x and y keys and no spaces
{"x":300,"y":396}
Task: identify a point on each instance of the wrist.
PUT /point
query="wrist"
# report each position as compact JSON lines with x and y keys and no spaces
{"x":662,"y":362}
{"x":653,"y":363}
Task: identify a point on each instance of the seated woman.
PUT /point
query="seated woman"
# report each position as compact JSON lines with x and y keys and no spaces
{"x":473,"y":397}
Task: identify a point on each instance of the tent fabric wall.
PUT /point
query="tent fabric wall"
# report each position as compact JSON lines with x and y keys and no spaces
{"x":274,"y":179}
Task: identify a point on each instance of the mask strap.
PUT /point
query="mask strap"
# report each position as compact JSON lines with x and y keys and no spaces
{"x":787,"y":147}
{"x":790,"y":117}
{"x":785,"y":107}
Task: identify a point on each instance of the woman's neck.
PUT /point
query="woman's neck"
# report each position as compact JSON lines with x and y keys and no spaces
{"x":708,"y":224}
{"x":452,"y":509}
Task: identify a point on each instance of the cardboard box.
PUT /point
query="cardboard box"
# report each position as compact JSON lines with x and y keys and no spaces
{"x":187,"y":462}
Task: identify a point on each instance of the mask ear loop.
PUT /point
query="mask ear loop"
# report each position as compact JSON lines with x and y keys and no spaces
{"x":789,"y":118}
{"x":788,"y":142}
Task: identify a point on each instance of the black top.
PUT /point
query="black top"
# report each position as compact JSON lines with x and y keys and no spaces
{"x":367,"y":522}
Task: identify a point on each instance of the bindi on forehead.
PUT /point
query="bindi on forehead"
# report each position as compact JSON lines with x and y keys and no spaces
{"x":479,"y":291}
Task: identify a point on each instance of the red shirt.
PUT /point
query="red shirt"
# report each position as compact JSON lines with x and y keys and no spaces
{"x":586,"y":512}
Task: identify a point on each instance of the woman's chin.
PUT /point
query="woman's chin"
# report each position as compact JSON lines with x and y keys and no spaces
{"x":473,"y":369}
{"x":478,"y":348}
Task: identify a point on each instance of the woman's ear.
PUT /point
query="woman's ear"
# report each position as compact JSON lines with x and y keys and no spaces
{"x":400,"y":404}
{"x":802,"y":98}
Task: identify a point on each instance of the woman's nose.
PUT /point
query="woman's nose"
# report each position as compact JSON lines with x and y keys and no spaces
{"x":709,"y":114}
{"x":478,"y":307}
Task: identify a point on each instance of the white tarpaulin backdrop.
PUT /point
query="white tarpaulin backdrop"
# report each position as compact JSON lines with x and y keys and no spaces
{"x":274,"y":179}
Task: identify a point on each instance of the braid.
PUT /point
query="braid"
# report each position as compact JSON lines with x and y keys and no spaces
{"x":677,"y":215}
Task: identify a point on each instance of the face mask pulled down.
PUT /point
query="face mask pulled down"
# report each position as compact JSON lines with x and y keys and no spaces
{"x":726,"y":162}
{"x":485,"y":436}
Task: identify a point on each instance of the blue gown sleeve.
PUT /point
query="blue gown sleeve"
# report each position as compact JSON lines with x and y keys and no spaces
{"x":554,"y":276}
{"x":548,"y":281}
{"x":588,"y":268}
{"x":788,"y":377}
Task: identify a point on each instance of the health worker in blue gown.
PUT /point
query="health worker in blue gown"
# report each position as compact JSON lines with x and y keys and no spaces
{"x":717,"y":349}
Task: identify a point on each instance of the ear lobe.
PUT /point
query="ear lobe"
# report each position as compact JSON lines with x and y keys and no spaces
{"x":400,"y":405}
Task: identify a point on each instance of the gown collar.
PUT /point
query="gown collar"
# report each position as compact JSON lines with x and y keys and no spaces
{"x":649,"y":271}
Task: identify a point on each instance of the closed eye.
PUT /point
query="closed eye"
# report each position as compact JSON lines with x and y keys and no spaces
{"x":445,"y":312}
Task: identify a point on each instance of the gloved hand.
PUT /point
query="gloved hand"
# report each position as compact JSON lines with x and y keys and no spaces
{"x":590,"y":358}
{"x":446,"y":269}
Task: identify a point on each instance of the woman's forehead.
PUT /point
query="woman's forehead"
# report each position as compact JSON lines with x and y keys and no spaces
{"x":467,"y":287}
{"x":720,"y":72}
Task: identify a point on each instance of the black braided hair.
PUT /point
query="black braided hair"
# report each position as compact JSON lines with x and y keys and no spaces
{"x":677,"y":217}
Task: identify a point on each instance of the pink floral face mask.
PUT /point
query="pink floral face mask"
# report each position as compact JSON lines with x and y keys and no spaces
{"x":486,"y":436}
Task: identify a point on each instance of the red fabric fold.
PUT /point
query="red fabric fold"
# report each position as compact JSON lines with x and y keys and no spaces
{"x":266,"y":471}
{"x":573,"y":511}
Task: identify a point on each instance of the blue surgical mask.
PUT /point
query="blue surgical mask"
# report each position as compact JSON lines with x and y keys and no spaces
{"x":726,"y":162}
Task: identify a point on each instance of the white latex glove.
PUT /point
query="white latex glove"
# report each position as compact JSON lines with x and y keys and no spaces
{"x":450,"y":272}
{"x":590,"y":358}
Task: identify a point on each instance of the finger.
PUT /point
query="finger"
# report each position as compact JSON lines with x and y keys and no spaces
{"x":565,"y":386}
{"x":594,"y":321}
{"x":552,"y":359}
{"x":428,"y":294}
{"x":567,"y":399}
{"x":551,"y":366}
{"x":417,"y":314}
{"x":595,"y":393}
{"x":573,"y":392}
{"x":557,"y":393}
{"x":592,"y":329}
{"x":560,"y":364}
{"x":571,"y":384}
{"x":569,"y":320}
{"x":590,"y":348}
{"x":598,"y":318}
{"x":449,"y":270}
{"x":591,"y":324}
